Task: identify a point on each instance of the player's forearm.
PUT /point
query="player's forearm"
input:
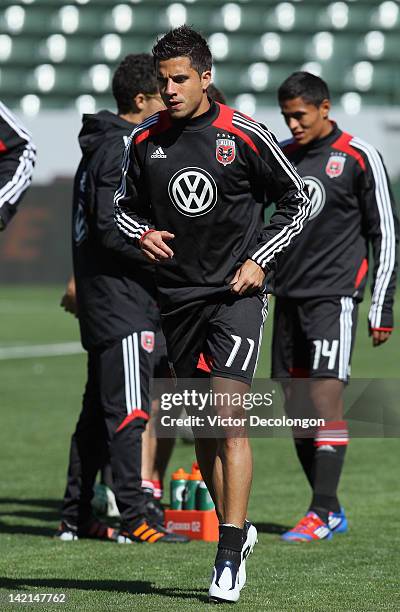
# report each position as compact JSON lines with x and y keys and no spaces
{"x":16,"y":176}
{"x":286,"y":223}
{"x":383,"y":283}
{"x":117,"y":244}
{"x":130,"y":224}
{"x":381,"y":316}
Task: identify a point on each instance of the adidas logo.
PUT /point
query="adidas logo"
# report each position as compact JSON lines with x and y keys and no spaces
{"x":158,"y":154}
{"x":322,"y":532}
{"x":333,"y":522}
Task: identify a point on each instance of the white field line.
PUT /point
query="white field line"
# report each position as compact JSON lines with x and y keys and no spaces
{"x":40,"y":350}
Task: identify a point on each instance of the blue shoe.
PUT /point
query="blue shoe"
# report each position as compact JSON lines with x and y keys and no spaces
{"x":224,"y":583}
{"x":337,"y":522}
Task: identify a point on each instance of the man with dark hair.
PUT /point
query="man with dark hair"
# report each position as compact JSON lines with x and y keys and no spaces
{"x":134,"y":76}
{"x":17,"y":159}
{"x":205,"y":172}
{"x":118,"y":318}
{"x":319,"y":282}
{"x":304,"y":85}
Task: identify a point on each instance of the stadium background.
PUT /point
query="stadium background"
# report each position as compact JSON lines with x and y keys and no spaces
{"x":56,"y":59}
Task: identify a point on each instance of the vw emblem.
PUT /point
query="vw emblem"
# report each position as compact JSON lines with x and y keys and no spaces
{"x":317,"y":194}
{"x":193,"y":192}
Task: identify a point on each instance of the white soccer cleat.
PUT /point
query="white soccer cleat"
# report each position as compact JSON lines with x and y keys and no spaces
{"x":67,"y":536}
{"x":225,"y":583}
{"x":66,"y":533}
{"x":247,"y":548}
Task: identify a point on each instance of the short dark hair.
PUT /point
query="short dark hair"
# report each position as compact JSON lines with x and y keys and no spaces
{"x":215,"y":94}
{"x":184,"y":42}
{"x":134,"y":75}
{"x":304,"y":85}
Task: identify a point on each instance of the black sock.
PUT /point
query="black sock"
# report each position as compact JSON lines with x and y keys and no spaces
{"x":305,"y":450}
{"x":230,"y":544}
{"x":327,"y":468}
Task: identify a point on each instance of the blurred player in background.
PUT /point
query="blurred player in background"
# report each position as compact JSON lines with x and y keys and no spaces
{"x":17,"y":159}
{"x":118,"y":317}
{"x":205,"y":172}
{"x":320,"y":281}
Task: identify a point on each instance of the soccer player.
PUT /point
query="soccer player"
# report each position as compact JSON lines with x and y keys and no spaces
{"x":157,"y":450}
{"x":195,"y":179}
{"x":321,"y":279}
{"x":17,"y":159}
{"x":118,"y":318}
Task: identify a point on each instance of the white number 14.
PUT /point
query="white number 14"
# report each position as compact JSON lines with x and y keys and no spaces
{"x":322,"y":348}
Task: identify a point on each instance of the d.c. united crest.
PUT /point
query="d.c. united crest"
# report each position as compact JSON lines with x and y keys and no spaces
{"x":335,"y":165}
{"x":147,"y":341}
{"x":225,"y":149}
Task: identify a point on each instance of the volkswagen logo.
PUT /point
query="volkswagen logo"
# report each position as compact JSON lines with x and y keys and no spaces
{"x":193,"y":192}
{"x":317,"y":194}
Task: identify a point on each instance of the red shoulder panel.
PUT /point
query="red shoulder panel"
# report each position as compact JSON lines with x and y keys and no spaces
{"x":224,"y":122}
{"x":3,"y":146}
{"x":163,"y":123}
{"x":343,"y":144}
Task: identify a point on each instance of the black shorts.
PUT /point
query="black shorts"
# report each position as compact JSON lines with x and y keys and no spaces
{"x":220,"y":337}
{"x":313,"y":338}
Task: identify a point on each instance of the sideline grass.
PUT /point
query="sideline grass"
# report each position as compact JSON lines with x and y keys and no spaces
{"x":40,"y":399}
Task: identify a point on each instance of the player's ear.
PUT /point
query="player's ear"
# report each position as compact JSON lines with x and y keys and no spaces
{"x":324,"y":108}
{"x":205,"y":79}
{"x":139,"y":101}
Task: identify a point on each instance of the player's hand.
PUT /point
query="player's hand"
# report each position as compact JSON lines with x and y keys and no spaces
{"x":68,"y":300}
{"x":249,"y":278}
{"x":154,"y":246}
{"x":379,"y":337}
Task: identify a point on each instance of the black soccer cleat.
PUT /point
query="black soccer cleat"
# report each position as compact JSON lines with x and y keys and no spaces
{"x":142,"y":531}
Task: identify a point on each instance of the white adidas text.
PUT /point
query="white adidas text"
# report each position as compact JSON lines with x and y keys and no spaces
{"x":158,"y":154}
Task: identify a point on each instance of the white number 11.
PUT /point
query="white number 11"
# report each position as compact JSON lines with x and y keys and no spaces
{"x":237,"y":342}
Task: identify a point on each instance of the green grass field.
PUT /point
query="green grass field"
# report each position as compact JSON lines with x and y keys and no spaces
{"x":40,"y":400}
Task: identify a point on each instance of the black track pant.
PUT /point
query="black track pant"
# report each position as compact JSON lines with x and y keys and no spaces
{"x":110,"y":426}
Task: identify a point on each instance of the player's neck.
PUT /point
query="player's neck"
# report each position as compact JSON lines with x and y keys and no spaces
{"x":202,"y":109}
{"x":133,"y":117}
{"x":326,"y":130}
